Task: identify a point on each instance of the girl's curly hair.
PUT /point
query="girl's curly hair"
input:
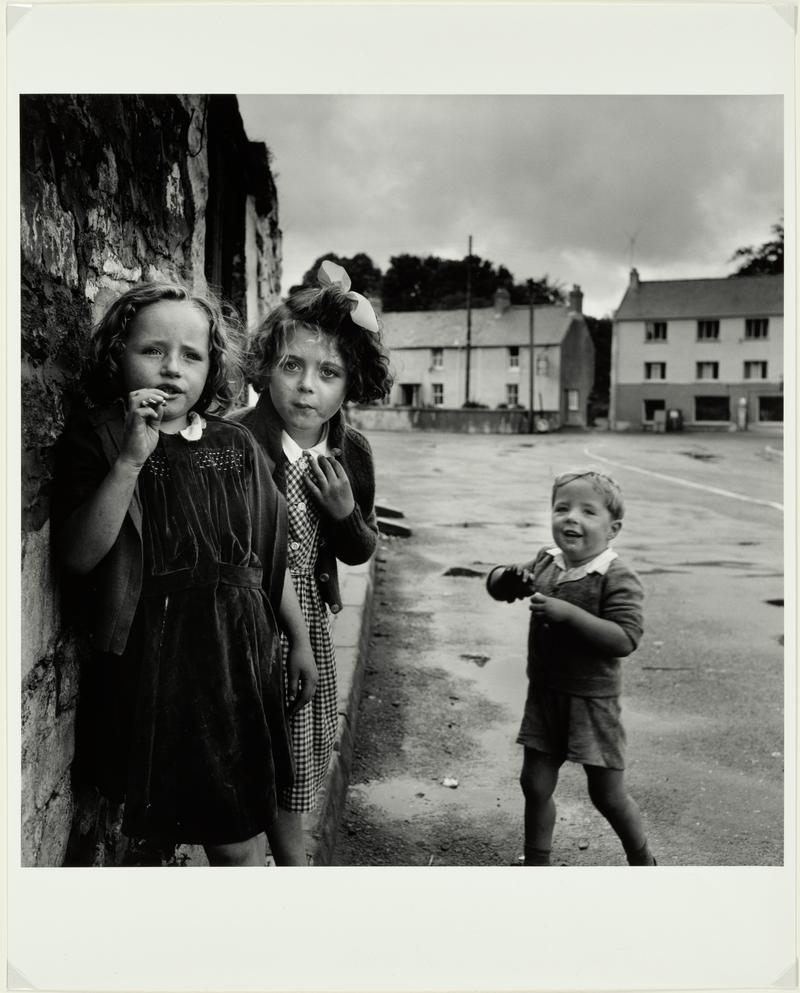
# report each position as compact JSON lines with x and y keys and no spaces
{"x":325,"y":311}
{"x":225,"y":375}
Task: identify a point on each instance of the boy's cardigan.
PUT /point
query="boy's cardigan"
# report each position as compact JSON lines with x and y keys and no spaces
{"x":558,"y":657}
{"x":353,"y":539}
{"x":87,"y":450}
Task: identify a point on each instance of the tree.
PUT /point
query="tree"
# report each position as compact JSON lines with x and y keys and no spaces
{"x":764,"y":260}
{"x":365,"y":276}
{"x":433,"y":283}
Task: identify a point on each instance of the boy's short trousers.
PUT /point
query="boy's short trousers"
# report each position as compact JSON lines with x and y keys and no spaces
{"x":580,"y":729}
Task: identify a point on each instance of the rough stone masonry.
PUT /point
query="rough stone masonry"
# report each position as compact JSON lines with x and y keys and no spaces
{"x":113,"y":189}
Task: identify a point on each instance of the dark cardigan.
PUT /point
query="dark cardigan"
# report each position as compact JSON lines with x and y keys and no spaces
{"x":85,"y":453}
{"x":353,"y":539}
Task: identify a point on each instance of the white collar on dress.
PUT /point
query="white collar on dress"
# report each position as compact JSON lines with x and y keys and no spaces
{"x":195,"y":428}
{"x":599,"y":563}
{"x":293,"y":451}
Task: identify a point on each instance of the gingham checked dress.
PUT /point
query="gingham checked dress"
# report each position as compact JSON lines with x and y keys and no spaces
{"x":312,"y":729}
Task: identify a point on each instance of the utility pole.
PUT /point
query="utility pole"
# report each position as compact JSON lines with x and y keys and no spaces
{"x":469,"y":314}
{"x":530,"y":348}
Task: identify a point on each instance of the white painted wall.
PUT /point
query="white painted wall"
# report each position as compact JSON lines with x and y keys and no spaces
{"x":682,"y":351}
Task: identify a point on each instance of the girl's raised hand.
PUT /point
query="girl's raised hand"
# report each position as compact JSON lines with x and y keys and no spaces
{"x":330,"y":487}
{"x":144,"y":411}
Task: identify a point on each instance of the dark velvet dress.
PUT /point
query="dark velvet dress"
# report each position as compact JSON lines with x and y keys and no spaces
{"x":193,"y":717}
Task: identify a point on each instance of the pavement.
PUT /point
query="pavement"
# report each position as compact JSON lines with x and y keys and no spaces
{"x":351,"y":639}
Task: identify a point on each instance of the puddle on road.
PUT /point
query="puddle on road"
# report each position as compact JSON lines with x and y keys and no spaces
{"x":702,"y":456}
{"x":725,"y":563}
{"x":661,"y":572}
{"x":775,"y":603}
{"x":479,"y":660}
{"x":459,"y":570}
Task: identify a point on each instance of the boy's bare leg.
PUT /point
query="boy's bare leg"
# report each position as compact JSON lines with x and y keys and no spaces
{"x":287,"y":840}
{"x":538,"y":780}
{"x":608,"y":793}
{"x":250,"y":852}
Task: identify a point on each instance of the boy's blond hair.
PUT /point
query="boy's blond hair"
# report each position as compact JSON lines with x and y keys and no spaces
{"x":608,"y":488}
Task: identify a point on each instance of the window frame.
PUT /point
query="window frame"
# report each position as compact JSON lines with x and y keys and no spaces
{"x":437,"y":394}
{"x":770,"y":398}
{"x":649,"y":367}
{"x":749,"y":328}
{"x":716,"y":397}
{"x":513,"y":356}
{"x":698,"y":371}
{"x":748,"y":369}
{"x":437,"y":358}
{"x":512,"y":387}
{"x":708,"y":324}
{"x":652,"y":329}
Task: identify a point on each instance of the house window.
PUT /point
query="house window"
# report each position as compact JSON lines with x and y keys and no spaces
{"x":651,"y":406}
{"x":708,"y":330}
{"x":712,"y":409}
{"x":437,"y":358}
{"x":707,"y":370}
{"x":655,"y":331}
{"x":770,"y":409}
{"x":409,"y":394}
{"x":756,"y":327}
{"x":655,"y":370}
{"x":513,"y":357}
{"x":573,"y":400}
{"x":755,"y":370}
{"x":512,"y":394}
{"x":438,"y":394}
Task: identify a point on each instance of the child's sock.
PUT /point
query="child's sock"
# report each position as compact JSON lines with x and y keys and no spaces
{"x":641,"y":856}
{"x":537,"y":856}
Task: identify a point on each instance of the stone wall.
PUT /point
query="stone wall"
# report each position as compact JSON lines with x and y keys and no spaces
{"x":463,"y":421}
{"x":114,"y":189}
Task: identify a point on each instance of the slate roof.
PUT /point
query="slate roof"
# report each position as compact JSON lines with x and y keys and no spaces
{"x":448,"y":328}
{"x":739,"y":296}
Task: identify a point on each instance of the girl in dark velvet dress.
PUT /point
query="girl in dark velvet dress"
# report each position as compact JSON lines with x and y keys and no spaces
{"x":171,"y":513}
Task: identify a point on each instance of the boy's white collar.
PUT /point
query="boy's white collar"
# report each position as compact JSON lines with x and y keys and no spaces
{"x":293,"y":451}
{"x":599,"y":563}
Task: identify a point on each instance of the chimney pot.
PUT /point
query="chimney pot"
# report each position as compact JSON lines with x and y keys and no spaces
{"x":502,"y":301}
{"x":635,"y":279}
{"x":576,"y":299}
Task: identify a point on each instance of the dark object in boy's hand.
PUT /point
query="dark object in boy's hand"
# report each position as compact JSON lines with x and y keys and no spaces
{"x":511,"y":583}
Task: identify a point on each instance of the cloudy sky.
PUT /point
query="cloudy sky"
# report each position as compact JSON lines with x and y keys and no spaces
{"x":575,"y":187}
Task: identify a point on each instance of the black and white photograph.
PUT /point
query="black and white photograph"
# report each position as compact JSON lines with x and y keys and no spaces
{"x":406,"y":494}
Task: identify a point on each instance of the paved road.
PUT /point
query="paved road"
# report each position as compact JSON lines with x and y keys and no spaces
{"x":445,"y":681}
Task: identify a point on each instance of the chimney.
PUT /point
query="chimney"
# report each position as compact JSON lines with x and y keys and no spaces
{"x":502,"y":301}
{"x":576,"y":299}
{"x":634,"y":279}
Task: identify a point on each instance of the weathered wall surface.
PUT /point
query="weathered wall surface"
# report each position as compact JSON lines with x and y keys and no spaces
{"x":114,"y":189}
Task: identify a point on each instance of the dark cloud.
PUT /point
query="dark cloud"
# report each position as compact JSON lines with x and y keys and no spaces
{"x":575,"y":187}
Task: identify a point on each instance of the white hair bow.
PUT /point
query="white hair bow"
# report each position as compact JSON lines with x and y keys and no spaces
{"x":361,"y":312}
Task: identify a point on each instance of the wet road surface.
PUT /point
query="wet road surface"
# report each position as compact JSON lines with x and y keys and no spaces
{"x":445,"y":680}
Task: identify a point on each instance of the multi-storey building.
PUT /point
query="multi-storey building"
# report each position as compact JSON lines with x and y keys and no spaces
{"x":711,"y":349}
{"x":433,"y":360}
